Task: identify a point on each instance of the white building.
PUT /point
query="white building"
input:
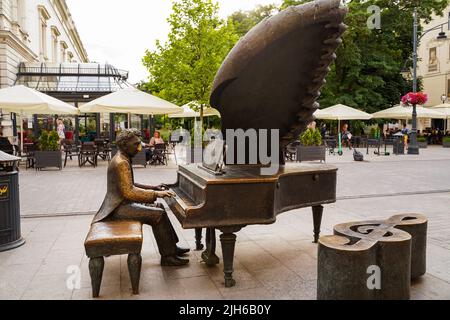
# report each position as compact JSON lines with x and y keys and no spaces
{"x":35,"y":31}
{"x":434,"y":62}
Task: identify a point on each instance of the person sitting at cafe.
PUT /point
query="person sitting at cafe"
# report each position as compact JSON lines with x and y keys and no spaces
{"x":150,"y":147}
{"x":156,"y":139}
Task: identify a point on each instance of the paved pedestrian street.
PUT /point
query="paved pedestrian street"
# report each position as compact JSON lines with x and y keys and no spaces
{"x":278,"y":261}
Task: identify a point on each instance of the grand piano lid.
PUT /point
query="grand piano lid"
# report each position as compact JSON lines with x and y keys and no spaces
{"x":273,"y":76}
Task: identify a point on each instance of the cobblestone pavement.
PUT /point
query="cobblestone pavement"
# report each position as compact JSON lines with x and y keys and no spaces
{"x":272,"y":262}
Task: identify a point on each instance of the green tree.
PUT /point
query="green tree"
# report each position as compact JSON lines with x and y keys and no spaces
{"x":288,"y":3}
{"x":183,"y":69}
{"x":366,"y":73}
{"x":245,"y":20}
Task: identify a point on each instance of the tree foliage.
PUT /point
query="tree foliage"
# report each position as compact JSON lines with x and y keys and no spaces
{"x":245,"y":20}
{"x":183,"y":69}
{"x":366,"y":73}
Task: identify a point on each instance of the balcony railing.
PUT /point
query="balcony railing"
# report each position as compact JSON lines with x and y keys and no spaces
{"x":72,"y":69}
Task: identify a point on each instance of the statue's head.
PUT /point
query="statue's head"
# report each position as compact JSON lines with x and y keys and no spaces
{"x":129,"y":142}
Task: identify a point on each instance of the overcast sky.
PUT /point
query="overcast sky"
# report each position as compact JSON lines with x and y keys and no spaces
{"x":118,"y":32}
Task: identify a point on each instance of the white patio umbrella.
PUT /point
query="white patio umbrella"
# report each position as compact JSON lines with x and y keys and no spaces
{"x":341,"y":112}
{"x":405,"y":113}
{"x":319,"y":114}
{"x":445,"y":110}
{"x":24,"y":100}
{"x":188,"y":111}
{"x":131,"y":101}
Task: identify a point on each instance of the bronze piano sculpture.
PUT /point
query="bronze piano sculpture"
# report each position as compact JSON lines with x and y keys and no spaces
{"x":270,"y":80}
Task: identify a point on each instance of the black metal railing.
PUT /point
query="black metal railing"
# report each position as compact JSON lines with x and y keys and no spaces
{"x":74,"y":70}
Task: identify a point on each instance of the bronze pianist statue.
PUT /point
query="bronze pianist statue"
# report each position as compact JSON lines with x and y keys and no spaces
{"x":269,"y":81}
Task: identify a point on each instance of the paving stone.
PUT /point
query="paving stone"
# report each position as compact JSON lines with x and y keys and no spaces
{"x":196,"y":288}
{"x":272,"y":262}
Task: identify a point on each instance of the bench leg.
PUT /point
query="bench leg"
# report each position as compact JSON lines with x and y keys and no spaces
{"x":134,"y":268}
{"x":96,"y":266}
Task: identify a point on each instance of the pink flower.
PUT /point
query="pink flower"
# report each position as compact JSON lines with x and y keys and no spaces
{"x":418,"y":98}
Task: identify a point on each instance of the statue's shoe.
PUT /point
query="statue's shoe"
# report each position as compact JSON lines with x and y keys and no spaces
{"x":173,"y":261}
{"x":182,"y":251}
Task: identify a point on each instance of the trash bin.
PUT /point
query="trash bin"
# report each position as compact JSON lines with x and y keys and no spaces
{"x":399,"y":145}
{"x":10,"y":234}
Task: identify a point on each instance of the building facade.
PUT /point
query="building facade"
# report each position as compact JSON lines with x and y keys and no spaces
{"x":35,"y":31}
{"x":434,"y":63}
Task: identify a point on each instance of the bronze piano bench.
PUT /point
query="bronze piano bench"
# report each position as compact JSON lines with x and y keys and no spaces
{"x":372,"y":260}
{"x":114,"y":238}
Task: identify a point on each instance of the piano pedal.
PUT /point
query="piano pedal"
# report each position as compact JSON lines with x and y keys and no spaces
{"x":209,"y":259}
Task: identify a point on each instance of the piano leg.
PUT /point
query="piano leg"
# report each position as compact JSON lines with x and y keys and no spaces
{"x":209,"y":255}
{"x":228,"y":240}
{"x":198,"y":239}
{"x":317,"y":218}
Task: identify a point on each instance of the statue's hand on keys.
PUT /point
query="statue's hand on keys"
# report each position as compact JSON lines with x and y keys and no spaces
{"x":165,"y":194}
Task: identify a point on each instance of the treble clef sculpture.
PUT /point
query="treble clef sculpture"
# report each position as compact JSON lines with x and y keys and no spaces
{"x":396,"y":247}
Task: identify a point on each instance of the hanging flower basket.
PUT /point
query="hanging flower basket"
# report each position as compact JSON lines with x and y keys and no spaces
{"x":414,"y":98}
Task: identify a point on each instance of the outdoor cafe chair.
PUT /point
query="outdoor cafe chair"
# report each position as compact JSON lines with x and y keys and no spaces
{"x":291,"y":151}
{"x":159,"y":154}
{"x":88,"y":154}
{"x":103,"y":150}
{"x":29,"y":151}
{"x":70,"y":150}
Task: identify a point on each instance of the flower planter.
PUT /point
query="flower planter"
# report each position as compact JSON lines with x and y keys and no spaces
{"x":423,"y":145}
{"x":48,"y":159}
{"x":446,"y":144}
{"x":313,"y":153}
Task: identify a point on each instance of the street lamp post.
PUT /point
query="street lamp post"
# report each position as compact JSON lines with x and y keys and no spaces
{"x":413,"y":146}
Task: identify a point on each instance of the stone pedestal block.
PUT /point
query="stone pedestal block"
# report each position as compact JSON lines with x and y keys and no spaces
{"x":372,"y":259}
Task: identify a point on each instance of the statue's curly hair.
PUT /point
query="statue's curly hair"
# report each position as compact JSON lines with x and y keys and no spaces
{"x":125,"y":136}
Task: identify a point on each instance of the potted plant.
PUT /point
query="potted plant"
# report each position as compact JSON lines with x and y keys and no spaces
{"x":311,"y":147}
{"x":446,"y":142}
{"x":49,"y":154}
{"x":422,"y":142}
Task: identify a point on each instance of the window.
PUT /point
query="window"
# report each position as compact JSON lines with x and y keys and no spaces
{"x":448,"y":88}
{"x":55,"y":49}
{"x":55,"y":35}
{"x":63,"y":51}
{"x":44,"y":16}
{"x":43,"y":36}
{"x":433,"y":61}
{"x":449,"y":21}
